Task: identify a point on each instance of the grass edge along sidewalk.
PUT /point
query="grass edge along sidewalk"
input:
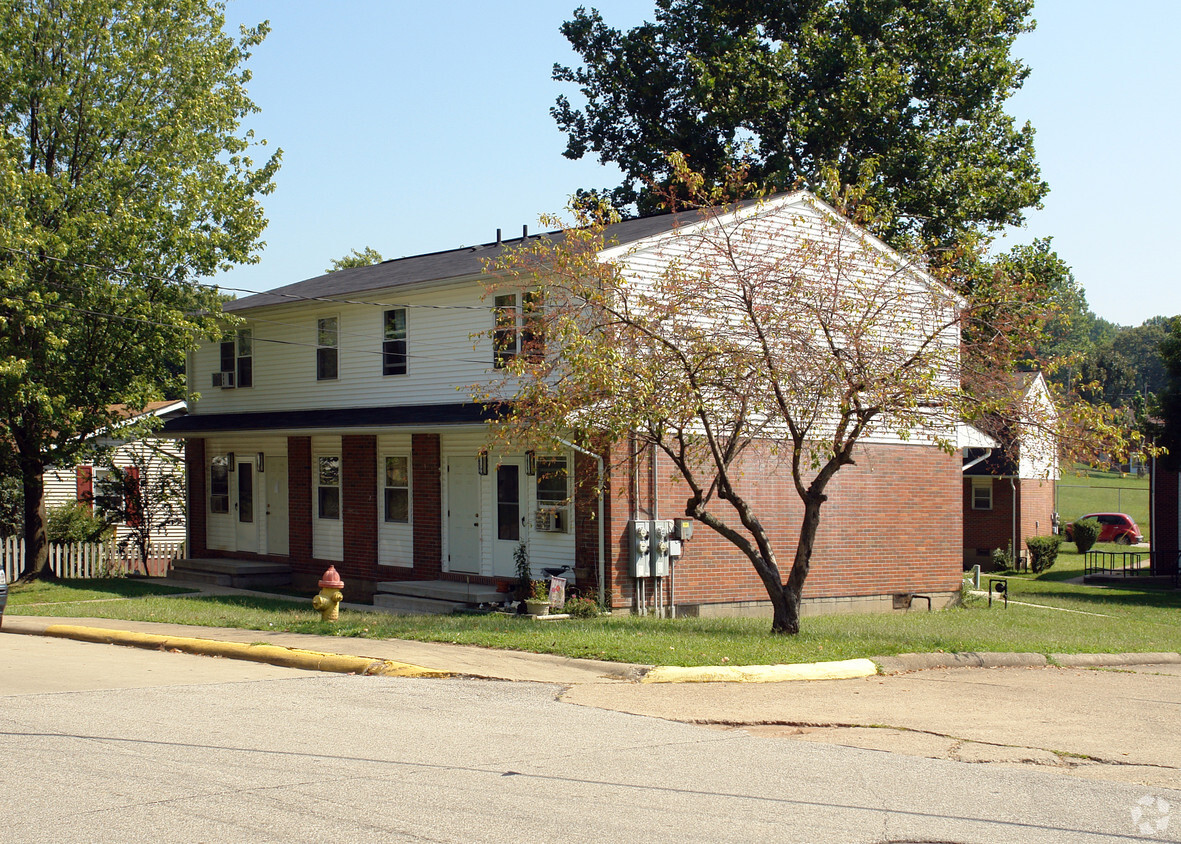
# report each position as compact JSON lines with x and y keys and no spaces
{"x":1127,"y":621}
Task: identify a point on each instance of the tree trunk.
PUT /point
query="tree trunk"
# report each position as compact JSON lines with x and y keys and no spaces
{"x":786,"y":618}
{"x":36,"y":542}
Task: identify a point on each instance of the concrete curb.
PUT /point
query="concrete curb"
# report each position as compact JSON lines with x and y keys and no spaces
{"x":841,"y":670}
{"x":901,"y":663}
{"x":1100,"y":660}
{"x":271,"y":654}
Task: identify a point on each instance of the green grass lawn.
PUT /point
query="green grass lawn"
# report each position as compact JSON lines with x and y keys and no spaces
{"x":1124,"y":619}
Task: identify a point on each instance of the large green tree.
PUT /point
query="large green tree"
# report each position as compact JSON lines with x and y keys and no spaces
{"x":913,"y":88}
{"x":125,"y":177}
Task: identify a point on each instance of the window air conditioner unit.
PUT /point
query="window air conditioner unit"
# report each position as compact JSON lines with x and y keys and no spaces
{"x":550,"y":520}
{"x":225,"y":380}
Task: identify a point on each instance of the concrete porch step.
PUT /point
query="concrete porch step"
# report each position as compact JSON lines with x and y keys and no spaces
{"x":416,"y":606}
{"x":241,"y":574}
{"x":443,"y":590}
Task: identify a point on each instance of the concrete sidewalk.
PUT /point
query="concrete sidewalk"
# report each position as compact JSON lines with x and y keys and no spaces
{"x":464,"y":660}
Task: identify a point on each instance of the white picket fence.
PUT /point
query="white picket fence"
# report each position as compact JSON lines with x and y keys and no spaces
{"x":91,"y":559}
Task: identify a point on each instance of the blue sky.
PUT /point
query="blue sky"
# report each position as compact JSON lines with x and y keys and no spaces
{"x":415,"y":127}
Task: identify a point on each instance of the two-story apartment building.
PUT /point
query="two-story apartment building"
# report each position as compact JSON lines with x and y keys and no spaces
{"x":335,"y":427}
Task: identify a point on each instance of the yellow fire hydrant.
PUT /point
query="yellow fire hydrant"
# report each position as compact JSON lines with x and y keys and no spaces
{"x":328,"y":601}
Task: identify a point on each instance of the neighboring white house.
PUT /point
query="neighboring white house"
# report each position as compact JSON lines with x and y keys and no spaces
{"x":334,"y":427}
{"x":84,"y":482}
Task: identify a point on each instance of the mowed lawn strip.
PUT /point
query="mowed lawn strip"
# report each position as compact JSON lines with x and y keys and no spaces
{"x":1127,"y":619}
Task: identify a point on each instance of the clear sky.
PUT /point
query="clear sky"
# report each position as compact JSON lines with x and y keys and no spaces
{"x":413,"y":127}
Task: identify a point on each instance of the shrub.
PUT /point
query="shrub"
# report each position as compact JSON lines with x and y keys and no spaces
{"x":74,"y":522}
{"x":1085,"y":533}
{"x":1043,"y":552}
{"x":1002,"y":558}
{"x":581,"y":607}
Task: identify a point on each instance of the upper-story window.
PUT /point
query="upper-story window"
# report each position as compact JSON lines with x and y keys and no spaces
{"x":327,"y":348}
{"x":518,"y":328}
{"x":236,"y":360}
{"x":245,"y":357}
{"x":393,"y":346}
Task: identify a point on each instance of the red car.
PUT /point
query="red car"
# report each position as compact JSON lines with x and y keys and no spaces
{"x":1113,"y":527}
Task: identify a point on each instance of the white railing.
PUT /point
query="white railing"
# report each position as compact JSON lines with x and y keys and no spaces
{"x":97,"y":559}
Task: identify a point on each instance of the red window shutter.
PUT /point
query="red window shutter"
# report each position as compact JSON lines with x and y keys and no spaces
{"x":85,"y":485}
{"x":134,"y":517}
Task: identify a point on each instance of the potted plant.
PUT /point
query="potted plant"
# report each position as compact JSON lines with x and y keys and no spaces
{"x":524,"y":575}
{"x":537,"y":603}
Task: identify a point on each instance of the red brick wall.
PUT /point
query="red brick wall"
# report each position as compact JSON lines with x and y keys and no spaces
{"x":892,"y":523}
{"x":428,"y":506}
{"x":358,"y":487}
{"x":195,"y":477}
{"x":989,"y":529}
{"x":299,"y":503}
{"x":1037,"y":508}
{"x":586,"y":521}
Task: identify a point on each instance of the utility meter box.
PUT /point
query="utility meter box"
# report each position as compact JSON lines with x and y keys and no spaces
{"x":661,"y":544}
{"x":641,"y":548}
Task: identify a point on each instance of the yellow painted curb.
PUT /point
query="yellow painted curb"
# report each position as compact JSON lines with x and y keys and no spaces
{"x":845,"y":669}
{"x":270,"y":654}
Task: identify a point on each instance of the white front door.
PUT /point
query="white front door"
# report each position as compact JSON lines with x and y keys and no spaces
{"x":245,"y":519}
{"x":277,"y":523}
{"x":510,"y":516}
{"x":463,"y":515}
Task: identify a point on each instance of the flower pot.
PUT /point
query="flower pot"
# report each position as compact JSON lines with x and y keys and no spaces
{"x":534,"y":607}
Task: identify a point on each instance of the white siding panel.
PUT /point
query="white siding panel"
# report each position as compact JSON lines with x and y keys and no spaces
{"x":439,"y":348}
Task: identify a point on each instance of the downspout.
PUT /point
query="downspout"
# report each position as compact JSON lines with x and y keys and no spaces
{"x":987,"y":453}
{"x":602,"y":537}
{"x":1016,"y":552}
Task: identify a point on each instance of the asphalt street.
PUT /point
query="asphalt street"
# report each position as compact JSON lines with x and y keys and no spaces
{"x":110,"y":744}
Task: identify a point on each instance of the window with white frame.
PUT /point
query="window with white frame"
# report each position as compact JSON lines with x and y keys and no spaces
{"x":553,"y":493}
{"x":245,"y":357}
{"x":219,"y":484}
{"x":235,"y":360}
{"x":393,"y":345}
{"x":108,"y":497}
{"x":518,"y":327}
{"x":328,"y":487}
{"x":981,"y":493}
{"x":327,"y":348}
{"x":397,"y":489}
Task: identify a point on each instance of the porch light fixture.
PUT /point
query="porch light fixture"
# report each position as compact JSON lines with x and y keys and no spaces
{"x":531,"y":462}
{"x":230,"y":460}
{"x":261,"y":463}
{"x":482,"y":462}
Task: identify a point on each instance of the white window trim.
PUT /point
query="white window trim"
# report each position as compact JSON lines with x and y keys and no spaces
{"x":984,"y":484}
{"x":320,"y":346}
{"x":381,"y":517}
{"x":316,"y":486}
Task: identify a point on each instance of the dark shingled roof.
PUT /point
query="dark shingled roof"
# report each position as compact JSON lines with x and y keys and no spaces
{"x":454,"y":263}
